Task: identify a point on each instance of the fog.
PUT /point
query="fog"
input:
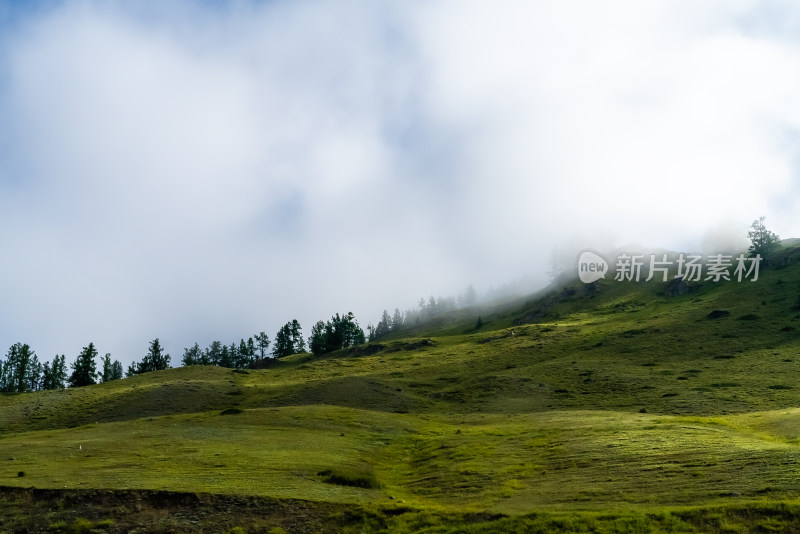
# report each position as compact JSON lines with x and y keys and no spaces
{"x":197,"y":170}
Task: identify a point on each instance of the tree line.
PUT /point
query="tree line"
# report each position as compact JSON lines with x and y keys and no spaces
{"x":22,"y":371}
{"x":426,"y":309}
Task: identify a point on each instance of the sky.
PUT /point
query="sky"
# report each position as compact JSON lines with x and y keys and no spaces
{"x":200,"y":170}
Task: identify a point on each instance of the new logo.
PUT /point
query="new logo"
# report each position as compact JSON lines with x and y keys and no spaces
{"x":591,"y":267}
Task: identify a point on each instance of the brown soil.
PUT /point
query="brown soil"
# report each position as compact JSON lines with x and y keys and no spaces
{"x":25,"y":510}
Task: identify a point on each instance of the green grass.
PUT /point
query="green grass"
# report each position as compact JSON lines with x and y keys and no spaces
{"x":564,"y":411}
{"x":500,"y":463}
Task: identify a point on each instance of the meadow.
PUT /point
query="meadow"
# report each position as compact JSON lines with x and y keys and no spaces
{"x":620,"y":410}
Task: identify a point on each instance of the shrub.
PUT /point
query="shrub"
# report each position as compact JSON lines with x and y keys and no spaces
{"x":352,"y":479}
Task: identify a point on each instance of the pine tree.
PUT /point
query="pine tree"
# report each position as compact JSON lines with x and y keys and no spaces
{"x":384,"y":325}
{"x":84,"y":370}
{"x":17,"y":368}
{"x":154,"y":360}
{"x":289,"y":340}
{"x":340,"y":332}
{"x":111,"y":370}
{"x":192,"y":356}
{"x":251,"y":352}
{"x":60,"y":371}
{"x":33,"y":375}
{"x":46,"y":373}
{"x":762,"y":240}
{"x":116,"y":370}
{"x":225,"y":357}
{"x":243,"y":355}
{"x":54,"y":374}
{"x":8,"y":381}
{"x":352,"y":334}
{"x":283,"y":342}
{"x":433,"y":306}
{"x":397,"y":320}
{"x":298,"y":343}
{"x":233,"y":355}
{"x":214,"y":353}
{"x":317,"y":340}
{"x":159,"y":359}
{"x":246,"y":354}
{"x":205,"y":357}
{"x":105,"y":376}
{"x":262,"y":341}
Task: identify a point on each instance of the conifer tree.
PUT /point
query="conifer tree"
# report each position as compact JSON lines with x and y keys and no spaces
{"x":214,"y":353}
{"x":283,"y":342}
{"x":111,"y":370}
{"x":289,"y":340}
{"x":262,"y":342}
{"x":116,"y":370}
{"x":105,"y":375}
{"x":33,"y":374}
{"x":397,"y":320}
{"x":192,"y":356}
{"x":225,"y":359}
{"x":340,"y":332}
{"x":155,"y":360}
{"x":54,"y":374}
{"x":298,"y":343}
{"x":762,"y":240}
{"x":316,"y":341}
{"x":21,"y":370}
{"x":84,"y":370}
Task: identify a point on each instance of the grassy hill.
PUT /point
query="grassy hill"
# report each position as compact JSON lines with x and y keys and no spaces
{"x":620,"y":409}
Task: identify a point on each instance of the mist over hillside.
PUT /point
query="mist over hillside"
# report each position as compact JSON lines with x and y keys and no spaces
{"x":200,"y":171}
{"x":615,"y":397}
{"x":272,"y":266}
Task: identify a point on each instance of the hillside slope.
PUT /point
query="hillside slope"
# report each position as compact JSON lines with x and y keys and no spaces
{"x":601,"y":400}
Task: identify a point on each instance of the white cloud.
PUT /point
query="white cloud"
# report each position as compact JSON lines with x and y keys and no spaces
{"x":197,"y":172}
